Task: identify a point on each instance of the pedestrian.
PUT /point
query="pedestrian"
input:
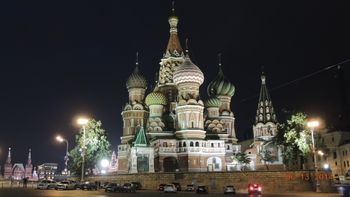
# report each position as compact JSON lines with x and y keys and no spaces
{"x":25,"y":181}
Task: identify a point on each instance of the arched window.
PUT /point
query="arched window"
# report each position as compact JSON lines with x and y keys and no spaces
{"x":228,"y":147}
{"x":191,"y":144}
{"x":184,"y":144}
{"x":219,"y":145}
{"x":180,"y":144}
{"x":197,"y":144}
{"x":212,"y":144}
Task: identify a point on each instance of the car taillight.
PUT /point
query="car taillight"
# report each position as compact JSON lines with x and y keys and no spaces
{"x":259,"y":188}
{"x":251,"y":188}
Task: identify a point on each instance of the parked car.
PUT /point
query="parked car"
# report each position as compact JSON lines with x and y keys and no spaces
{"x":170,"y":188}
{"x":46,"y":184}
{"x":88,"y":186}
{"x":137,"y":185}
{"x":104,"y":185}
{"x":128,"y":187}
{"x":202,"y":189}
{"x":161,"y":187}
{"x":65,"y":185}
{"x":254,"y":188}
{"x":230,"y":189}
{"x":112,"y":187}
{"x":177,"y":185}
{"x":190,"y":188}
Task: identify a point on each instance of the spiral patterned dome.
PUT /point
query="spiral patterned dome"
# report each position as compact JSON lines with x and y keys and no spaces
{"x":136,"y":79}
{"x":188,"y":72}
{"x":212,"y":102}
{"x":156,"y":98}
{"x":221,"y":86}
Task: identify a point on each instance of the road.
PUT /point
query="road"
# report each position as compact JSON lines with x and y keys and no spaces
{"x":30,"y":192}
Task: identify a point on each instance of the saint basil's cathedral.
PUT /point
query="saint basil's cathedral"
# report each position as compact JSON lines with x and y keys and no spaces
{"x":172,"y":130}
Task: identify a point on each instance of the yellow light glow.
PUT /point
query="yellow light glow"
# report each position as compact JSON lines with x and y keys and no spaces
{"x":320,"y":152}
{"x":59,"y":138}
{"x":313,"y":124}
{"x":83,"y":121}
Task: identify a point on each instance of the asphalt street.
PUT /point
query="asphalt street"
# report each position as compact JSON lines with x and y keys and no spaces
{"x":30,"y":192}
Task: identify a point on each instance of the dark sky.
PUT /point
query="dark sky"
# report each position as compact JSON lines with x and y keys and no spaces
{"x":60,"y":59}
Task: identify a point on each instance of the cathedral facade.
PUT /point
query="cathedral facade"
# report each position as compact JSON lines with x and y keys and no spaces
{"x":171,"y":129}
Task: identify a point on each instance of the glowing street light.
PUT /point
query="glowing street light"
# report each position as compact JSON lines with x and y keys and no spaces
{"x":312,"y":125}
{"x":321,"y":153}
{"x":104,"y":165}
{"x":66,"y":158}
{"x":83,"y":122}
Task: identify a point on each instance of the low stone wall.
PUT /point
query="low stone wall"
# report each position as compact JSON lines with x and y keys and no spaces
{"x":272,"y":181}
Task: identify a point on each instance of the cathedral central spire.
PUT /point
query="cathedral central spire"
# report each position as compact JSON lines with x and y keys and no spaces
{"x":174,"y":48}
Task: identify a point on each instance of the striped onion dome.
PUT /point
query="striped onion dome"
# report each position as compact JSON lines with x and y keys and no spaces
{"x":212,"y":102}
{"x":136,"y":79}
{"x":188,"y":72}
{"x":221,"y":86}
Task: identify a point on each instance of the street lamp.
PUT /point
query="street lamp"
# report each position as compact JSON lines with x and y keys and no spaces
{"x":83,"y":122}
{"x":66,"y":158}
{"x":104,"y":165}
{"x":312,"y":125}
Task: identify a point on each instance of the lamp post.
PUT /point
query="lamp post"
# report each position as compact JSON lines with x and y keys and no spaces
{"x":312,"y":125}
{"x":66,"y":158}
{"x":83,"y":122}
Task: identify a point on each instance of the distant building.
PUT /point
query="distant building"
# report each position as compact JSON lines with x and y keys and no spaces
{"x":336,"y":152}
{"x":113,"y":164}
{"x":264,"y":154}
{"x":47,"y":170}
{"x":18,"y":171}
{"x":8,"y":166}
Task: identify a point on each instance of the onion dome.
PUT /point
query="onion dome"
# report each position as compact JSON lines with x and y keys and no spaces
{"x":221,"y":86}
{"x":136,"y":79}
{"x":188,"y":72}
{"x":156,"y":98}
{"x":212,"y":102}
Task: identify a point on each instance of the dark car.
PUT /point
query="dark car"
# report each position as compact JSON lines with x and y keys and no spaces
{"x":230,"y":189}
{"x":128,"y":187}
{"x":88,"y":186}
{"x":112,"y":187}
{"x":137,"y":185}
{"x":161,"y":187}
{"x":254,"y":188}
{"x":202,"y":189}
{"x":177,"y":185}
{"x":190,"y":188}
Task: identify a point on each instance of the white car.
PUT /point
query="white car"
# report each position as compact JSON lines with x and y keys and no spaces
{"x":65,"y":185}
{"x":46,"y":184}
{"x":170,"y":188}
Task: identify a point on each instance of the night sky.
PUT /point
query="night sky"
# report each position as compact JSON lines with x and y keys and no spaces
{"x":63,"y":59}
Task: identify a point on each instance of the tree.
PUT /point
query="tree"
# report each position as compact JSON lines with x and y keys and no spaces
{"x":295,"y":138}
{"x":267,"y":156}
{"x":241,"y":158}
{"x":97,"y":147}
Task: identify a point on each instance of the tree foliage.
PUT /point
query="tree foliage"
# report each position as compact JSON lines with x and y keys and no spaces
{"x":97,"y":147}
{"x":241,"y":158}
{"x":295,"y":138}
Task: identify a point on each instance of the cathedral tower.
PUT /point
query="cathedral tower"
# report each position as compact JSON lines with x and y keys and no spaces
{"x":29,"y":165}
{"x":189,"y":110}
{"x":221,"y":123}
{"x":172,"y":58}
{"x":134,"y":113}
{"x":8,"y":166}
